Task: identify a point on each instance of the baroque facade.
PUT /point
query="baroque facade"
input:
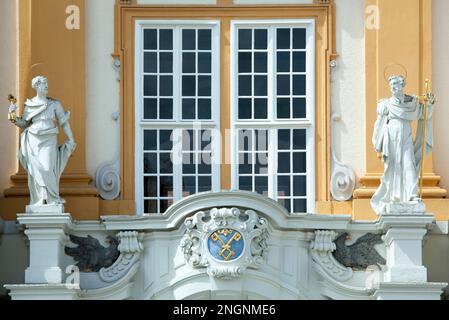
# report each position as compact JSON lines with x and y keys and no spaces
{"x":224,"y":150}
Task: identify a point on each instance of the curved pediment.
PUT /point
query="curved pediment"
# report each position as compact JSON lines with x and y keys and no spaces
{"x":267,"y":208}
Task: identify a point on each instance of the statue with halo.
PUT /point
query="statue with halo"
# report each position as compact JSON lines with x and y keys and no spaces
{"x":402,"y":155}
{"x":40,"y":155}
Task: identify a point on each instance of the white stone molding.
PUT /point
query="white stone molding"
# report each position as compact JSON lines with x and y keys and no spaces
{"x":275,"y":214}
{"x":206,"y":242}
{"x":107,"y":176}
{"x":50,"y":292}
{"x":342,"y":176}
{"x":321,"y":251}
{"x":130,"y":249}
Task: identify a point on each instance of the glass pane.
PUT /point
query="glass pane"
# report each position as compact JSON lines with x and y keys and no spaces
{"x":150,"y":186}
{"x":299,"y":162}
{"x":283,"y":85}
{"x":188,"y":86}
{"x":299,"y":85}
{"x":204,"y":86}
{"x":166,"y":39}
{"x":165,"y":204}
{"x":149,"y":163}
{"x":299,"y":139}
{"x":283,"y":186}
{"x":245,"y":86}
{"x":283,"y":162}
{"x":260,"y":108}
{"x":260,"y":85}
{"x":150,"y":85}
{"x":166,"y":85}
{"x":204,"y":167}
{"x":245,"y":140}
{"x":188,"y":163}
{"x":261,"y":184}
{"x":150,"y":108}
{"x":204,"y":184}
{"x":188,"y":186}
{"x":283,"y":38}
{"x":204,"y":62}
{"x":245,"y":62}
{"x":284,"y":139}
{"x":166,"y":163}
{"x":244,"y":108}
{"x":205,"y":139}
{"x":204,"y":109}
{"x":166,"y":62}
{"x":299,"y":108}
{"x":187,"y":141}
{"x":283,"y":61}
{"x":245,"y":163}
{"x":166,"y":109}
{"x":188,"y":62}
{"x":260,"y":62}
{"x":261,"y":140}
{"x":283,"y":108}
{"x":150,"y":39}
{"x":299,"y":62}
{"x":245,"y":38}
{"x":245,"y":183}
{"x":299,"y":38}
{"x":188,"y":109}
{"x":300,"y":205}
{"x":150,"y":62}
{"x":165,"y":140}
{"x":150,"y":206}
{"x":261,"y":163}
{"x":299,"y":186}
{"x":150,"y":140}
{"x":188,"y":39}
{"x":204,"y":39}
{"x":260,"y":39}
{"x":166,"y":187}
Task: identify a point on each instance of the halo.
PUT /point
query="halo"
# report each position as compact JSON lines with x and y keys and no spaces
{"x":35,"y":65}
{"x":388,"y":67}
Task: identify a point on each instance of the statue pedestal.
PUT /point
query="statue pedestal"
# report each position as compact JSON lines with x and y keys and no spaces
{"x":406,"y":225}
{"x":47,"y":235}
{"x":45,"y":208}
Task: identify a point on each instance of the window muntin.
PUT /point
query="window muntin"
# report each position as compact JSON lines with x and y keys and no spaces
{"x":178,"y":66}
{"x":287,"y":124}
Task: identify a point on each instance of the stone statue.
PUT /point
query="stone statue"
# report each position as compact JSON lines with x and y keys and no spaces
{"x":400,"y":152}
{"x":39,"y":153}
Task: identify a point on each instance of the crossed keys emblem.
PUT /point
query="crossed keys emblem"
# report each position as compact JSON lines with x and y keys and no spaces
{"x":226,"y":248}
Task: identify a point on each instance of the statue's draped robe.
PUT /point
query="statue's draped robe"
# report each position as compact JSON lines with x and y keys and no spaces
{"x":401,"y":154}
{"x":39,"y":152}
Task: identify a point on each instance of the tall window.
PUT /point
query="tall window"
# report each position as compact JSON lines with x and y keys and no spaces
{"x":272,"y":107}
{"x":177,"y":110}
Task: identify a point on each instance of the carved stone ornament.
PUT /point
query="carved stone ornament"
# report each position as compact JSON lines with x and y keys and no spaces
{"x":130,"y":249}
{"x":361,"y":254}
{"x":90,"y":255}
{"x":226,"y":241}
{"x":321,"y":250}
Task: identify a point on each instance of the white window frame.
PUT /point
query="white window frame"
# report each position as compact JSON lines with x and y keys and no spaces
{"x":177,"y":123}
{"x":272,"y":122}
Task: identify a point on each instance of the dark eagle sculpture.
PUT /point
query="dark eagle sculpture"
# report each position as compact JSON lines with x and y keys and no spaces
{"x":361,"y":254}
{"x":90,"y":255}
